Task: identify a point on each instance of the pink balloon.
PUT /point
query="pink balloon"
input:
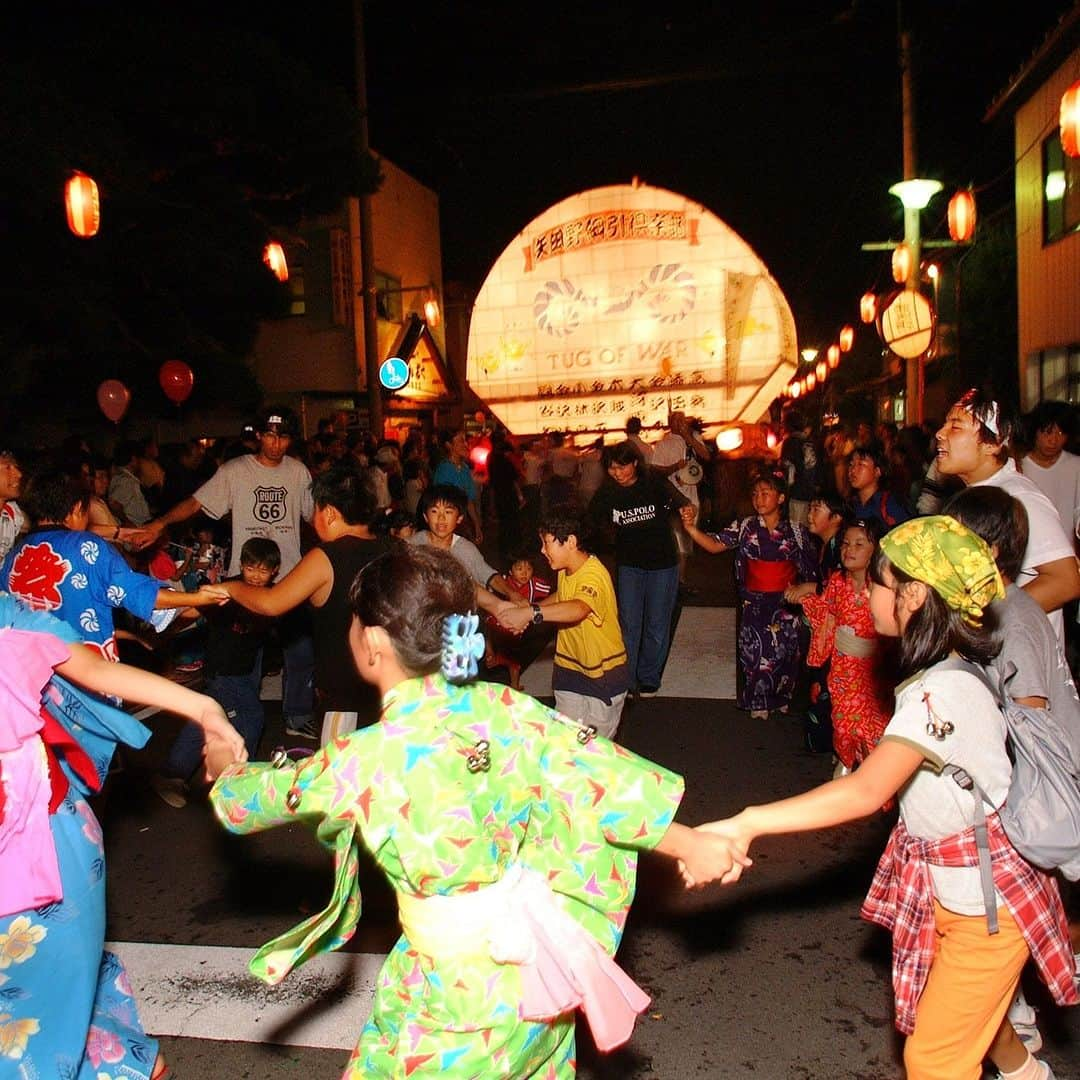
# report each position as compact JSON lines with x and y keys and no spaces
{"x":113,"y":398}
{"x":176,"y":380}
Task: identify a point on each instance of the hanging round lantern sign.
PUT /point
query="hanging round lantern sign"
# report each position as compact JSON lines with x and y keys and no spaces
{"x":821,"y":371}
{"x":868,"y":307}
{"x":833,"y":357}
{"x":906,"y":324}
{"x":274,"y":257}
{"x":113,"y":398}
{"x":176,"y":379}
{"x":901,"y":263}
{"x":1069,"y":117}
{"x":82,"y":205}
{"x":847,"y":339}
{"x":962,"y":216}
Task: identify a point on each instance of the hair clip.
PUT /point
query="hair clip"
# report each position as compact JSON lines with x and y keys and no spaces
{"x":462,"y":646}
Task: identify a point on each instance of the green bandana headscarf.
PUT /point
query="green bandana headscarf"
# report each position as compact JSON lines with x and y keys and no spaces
{"x":951,"y":559}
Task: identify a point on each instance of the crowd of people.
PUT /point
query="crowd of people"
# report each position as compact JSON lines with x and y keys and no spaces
{"x":868,"y":561}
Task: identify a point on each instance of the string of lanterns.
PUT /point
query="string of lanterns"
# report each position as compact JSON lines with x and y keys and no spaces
{"x":961,"y":219}
{"x":82,"y":202}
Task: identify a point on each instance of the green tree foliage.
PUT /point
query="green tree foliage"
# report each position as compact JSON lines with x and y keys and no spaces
{"x":205,"y":143}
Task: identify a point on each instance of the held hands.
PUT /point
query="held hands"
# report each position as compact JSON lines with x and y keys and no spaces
{"x":224,"y":745}
{"x":795,"y":594}
{"x":515,"y":617}
{"x":689,"y":515}
{"x":146,"y":536}
{"x":219,"y":594}
{"x":734,"y":833}
{"x":709,"y":857}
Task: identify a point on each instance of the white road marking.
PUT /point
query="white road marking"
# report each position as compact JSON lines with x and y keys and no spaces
{"x":701,"y":663}
{"x":207,"y":992}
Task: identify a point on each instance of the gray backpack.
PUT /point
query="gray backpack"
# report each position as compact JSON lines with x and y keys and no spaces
{"x":1041,"y":814}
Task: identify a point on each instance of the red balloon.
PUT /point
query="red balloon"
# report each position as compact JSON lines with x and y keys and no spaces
{"x":113,"y":398}
{"x":176,"y":380}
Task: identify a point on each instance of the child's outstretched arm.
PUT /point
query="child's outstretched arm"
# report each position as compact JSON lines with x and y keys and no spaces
{"x":890,"y":765}
{"x":702,"y":539}
{"x":701,"y":860}
{"x":91,"y":670}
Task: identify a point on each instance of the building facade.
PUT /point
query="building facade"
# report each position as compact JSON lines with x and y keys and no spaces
{"x":313,"y":357}
{"x":1047,"y":218}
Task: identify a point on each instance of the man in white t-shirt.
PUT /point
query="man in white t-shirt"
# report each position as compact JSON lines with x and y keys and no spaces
{"x":1050,"y":465}
{"x":973,"y":445}
{"x":12,"y":520}
{"x":267,"y":493}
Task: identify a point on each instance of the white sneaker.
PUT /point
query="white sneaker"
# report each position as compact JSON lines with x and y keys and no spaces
{"x":1048,"y":1073}
{"x":1024,"y":1021}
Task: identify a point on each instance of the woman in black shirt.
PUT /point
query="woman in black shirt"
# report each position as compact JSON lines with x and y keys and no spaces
{"x":637,"y":505}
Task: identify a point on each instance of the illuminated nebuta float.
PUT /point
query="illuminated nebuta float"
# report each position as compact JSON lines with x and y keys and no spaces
{"x":628,"y":301}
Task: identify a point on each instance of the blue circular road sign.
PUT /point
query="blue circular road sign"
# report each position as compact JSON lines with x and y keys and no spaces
{"x":394,"y":373}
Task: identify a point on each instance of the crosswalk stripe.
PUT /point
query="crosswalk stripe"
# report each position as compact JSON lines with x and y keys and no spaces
{"x":207,"y":992}
{"x":701,"y":663}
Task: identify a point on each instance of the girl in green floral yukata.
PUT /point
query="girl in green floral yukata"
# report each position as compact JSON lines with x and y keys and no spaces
{"x":509,"y":832}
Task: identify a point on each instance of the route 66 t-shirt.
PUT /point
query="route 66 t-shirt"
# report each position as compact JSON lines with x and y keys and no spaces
{"x":265,"y":500}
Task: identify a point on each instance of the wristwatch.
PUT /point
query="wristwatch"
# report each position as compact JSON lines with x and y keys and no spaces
{"x":538,"y":614}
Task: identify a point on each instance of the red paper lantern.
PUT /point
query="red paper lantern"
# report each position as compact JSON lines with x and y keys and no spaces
{"x":810,"y":381}
{"x":834,"y":356}
{"x":795,"y":388}
{"x":1070,"y":120}
{"x":868,"y":307}
{"x":821,"y":371}
{"x":176,"y":379}
{"x":82,"y":205}
{"x":847,"y":339}
{"x":962,"y":216}
{"x":901,"y":263}
{"x":274,"y":257}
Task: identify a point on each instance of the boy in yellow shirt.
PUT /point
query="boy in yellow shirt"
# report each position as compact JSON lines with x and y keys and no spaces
{"x":591,"y":675}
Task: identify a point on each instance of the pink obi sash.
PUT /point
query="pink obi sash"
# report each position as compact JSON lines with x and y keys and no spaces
{"x":769,"y":575}
{"x":519,"y":920}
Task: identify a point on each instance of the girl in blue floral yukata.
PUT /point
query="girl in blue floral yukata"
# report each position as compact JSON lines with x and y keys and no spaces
{"x":66,"y":1008}
{"x":509,"y":832}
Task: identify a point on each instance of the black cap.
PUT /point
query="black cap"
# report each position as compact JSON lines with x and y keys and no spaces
{"x":277,"y":420}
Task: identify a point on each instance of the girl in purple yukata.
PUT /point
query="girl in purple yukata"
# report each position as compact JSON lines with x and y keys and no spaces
{"x":509,"y":831}
{"x":771,"y":554}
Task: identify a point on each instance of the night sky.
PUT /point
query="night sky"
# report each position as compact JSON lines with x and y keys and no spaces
{"x":783,"y":119}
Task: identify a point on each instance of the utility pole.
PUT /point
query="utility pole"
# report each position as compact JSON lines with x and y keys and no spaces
{"x":367,"y":242}
{"x":914,"y":370}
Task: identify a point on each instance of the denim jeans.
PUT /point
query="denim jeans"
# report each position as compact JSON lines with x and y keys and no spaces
{"x":646,"y":605}
{"x":298,"y":658}
{"x":238,"y":695}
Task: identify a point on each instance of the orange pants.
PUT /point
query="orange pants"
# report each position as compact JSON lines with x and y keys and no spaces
{"x":972,"y":981}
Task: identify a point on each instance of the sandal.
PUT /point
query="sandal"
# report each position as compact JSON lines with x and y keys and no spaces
{"x":161,"y":1070}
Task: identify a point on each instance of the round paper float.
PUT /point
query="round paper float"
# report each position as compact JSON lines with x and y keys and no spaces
{"x":626,"y":301}
{"x":907,"y":323}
